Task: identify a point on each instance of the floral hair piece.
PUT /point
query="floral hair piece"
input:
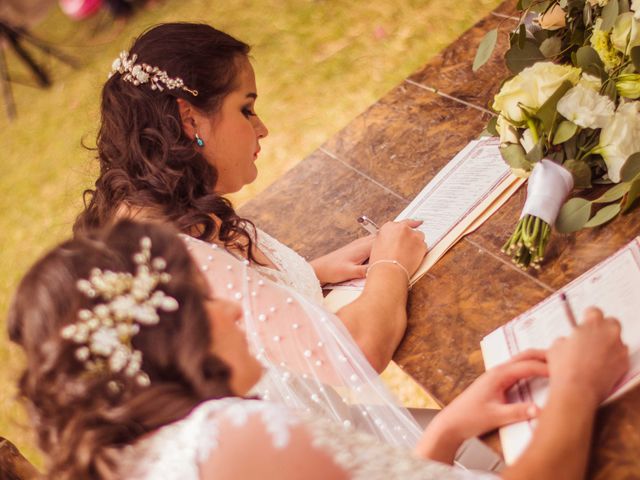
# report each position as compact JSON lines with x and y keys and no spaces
{"x":141,"y":73}
{"x":105,"y":333}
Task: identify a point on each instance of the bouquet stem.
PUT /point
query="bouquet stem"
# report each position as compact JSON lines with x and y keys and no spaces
{"x":528,"y":243}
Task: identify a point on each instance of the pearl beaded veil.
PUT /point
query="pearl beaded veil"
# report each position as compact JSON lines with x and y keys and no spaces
{"x":311,"y":362}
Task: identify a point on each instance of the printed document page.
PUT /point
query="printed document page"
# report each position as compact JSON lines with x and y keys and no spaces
{"x":612,"y":286}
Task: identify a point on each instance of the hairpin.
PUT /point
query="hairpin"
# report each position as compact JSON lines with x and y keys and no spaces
{"x":141,"y":73}
{"x":105,"y":332}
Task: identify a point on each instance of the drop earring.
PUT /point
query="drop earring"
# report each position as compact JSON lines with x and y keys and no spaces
{"x":199,"y":141}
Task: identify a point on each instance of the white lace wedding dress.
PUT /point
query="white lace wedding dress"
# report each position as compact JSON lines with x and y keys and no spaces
{"x":234,"y":438}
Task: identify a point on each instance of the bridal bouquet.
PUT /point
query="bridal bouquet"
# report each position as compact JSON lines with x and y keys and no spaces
{"x":569,"y":117}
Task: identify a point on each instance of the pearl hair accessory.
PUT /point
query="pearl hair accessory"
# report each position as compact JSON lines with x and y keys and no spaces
{"x":105,"y":332}
{"x":141,"y":73}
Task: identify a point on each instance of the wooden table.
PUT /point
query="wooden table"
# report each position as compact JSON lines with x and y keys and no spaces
{"x":379,"y":162}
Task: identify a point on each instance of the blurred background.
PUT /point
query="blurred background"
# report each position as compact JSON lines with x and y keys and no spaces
{"x":318,"y":63}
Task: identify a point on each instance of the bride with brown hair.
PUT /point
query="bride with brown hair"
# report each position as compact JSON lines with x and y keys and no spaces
{"x":179,"y":131}
{"x":136,"y":369}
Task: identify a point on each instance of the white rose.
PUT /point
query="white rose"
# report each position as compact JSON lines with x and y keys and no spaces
{"x":635,"y":6}
{"x":527,"y":141}
{"x":586,"y":108}
{"x":531,"y":88}
{"x":590,"y":81}
{"x":598,"y":3}
{"x":626,"y":33}
{"x":507,"y":132}
{"x":620,"y":138}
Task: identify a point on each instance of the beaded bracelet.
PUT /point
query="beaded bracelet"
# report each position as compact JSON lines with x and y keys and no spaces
{"x":392,"y":262}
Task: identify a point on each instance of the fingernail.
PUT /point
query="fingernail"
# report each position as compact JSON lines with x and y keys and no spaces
{"x":532,"y":411}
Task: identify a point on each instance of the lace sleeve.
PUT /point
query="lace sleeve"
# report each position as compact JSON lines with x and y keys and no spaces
{"x":312,"y":364}
{"x":252,"y":439}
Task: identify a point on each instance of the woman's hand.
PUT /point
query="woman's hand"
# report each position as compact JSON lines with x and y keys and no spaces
{"x":592,"y":360}
{"x":345,"y":263}
{"x":400,"y":241}
{"x":482,"y":407}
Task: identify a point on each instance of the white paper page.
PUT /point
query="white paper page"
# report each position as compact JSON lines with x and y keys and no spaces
{"x":613,"y":286}
{"x":461,"y":186}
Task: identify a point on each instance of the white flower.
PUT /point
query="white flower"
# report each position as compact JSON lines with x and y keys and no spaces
{"x":115,"y":66}
{"x":531,"y":88}
{"x":590,"y":81}
{"x":104,"y":341}
{"x":626,"y":33}
{"x":620,"y":138}
{"x":635,"y":6}
{"x":586,"y":108}
{"x":527,"y":141}
{"x":598,"y":3}
{"x":507,"y":132}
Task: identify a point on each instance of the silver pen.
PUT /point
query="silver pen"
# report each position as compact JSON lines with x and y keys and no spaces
{"x":368,"y":224}
{"x":568,"y":311}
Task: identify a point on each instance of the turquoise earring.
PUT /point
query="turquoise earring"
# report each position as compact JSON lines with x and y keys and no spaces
{"x":199,"y":141}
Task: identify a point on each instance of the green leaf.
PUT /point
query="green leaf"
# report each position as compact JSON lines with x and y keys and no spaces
{"x":536,"y":153}
{"x":635,"y":57}
{"x":517,"y":59}
{"x":614,"y":193}
{"x":566,"y":130}
{"x":522,"y":35}
{"x":551,"y":47}
{"x":514,"y":156}
{"x":492,"y":126}
{"x":631,"y":168}
{"x":580,"y":171}
{"x":609,"y":14}
{"x":587,"y":14}
{"x":547,"y":112}
{"x":604,"y":215}
{"x":589,"y":61}
{"x":485,"y":49}
{"x":540,"y":7}
{"x":573,"y":215}
{"x":632,"y":195}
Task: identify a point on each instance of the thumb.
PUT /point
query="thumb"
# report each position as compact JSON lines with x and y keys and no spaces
{"x":517,"y":412}
{"x":359,"y":271}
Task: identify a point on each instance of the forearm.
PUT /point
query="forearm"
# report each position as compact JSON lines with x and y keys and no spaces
{"x":378,"y":318}
{"x":439,"y":442}
{"x":319,"y":267}
{"x":560,"y":445}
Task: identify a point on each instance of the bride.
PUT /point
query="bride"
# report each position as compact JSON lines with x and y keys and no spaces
{"x":136,"y":369}
{"x":178,"y":131}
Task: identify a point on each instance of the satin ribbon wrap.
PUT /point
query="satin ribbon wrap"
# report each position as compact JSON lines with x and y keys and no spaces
{"x":547,"y":188}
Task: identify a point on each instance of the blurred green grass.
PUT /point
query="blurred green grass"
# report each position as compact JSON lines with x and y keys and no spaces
{"x":318,"y":64}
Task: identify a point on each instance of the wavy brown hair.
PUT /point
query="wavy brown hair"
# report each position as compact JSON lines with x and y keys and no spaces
{"x":147,"y":162}
{"x":79,"y":423}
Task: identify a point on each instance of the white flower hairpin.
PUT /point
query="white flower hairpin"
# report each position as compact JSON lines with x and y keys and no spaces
{"x":105,"y":333}
{"x":141,"y":73}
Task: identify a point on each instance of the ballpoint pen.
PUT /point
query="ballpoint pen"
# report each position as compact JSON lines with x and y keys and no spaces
{"x":567,"y":310}
{"x":368,"y":224}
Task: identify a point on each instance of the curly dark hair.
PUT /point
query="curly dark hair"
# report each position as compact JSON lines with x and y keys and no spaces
{"x":147,"y":162}
{"x":79,"y":423}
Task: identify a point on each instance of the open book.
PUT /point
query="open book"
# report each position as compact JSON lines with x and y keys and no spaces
{"x":462,"y":196}
{"x":614,"y":286}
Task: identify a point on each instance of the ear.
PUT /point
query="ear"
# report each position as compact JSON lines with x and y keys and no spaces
{"x":188,"y":116}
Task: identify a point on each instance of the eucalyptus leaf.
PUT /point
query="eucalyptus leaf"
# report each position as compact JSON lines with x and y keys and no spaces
{"x":565,"y":131}
{"x":522,"y":35}
{"x":492,"y":126}
{"x":536,"y":153}
{"x":514,"y":156}
{"x":614,"y":193}
{"x":551,"y":47}
{"x":609,"y":14}
{"x":580,"y":171}
{"x":611,"y":91}
{"x":563,"y":4}
{"x":604,"y":215}
{"x":517,"y":59}
{"x":635,"y":57}
{"x":573,"y":215}
{"x":589,"y":61}
{"x":632,"y":195}
{"x":631,"y":168}
{"x":548,"y":111}
{"x":540,"y":6}
{"x":485,"y":49}
{"x":570,"y":147}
